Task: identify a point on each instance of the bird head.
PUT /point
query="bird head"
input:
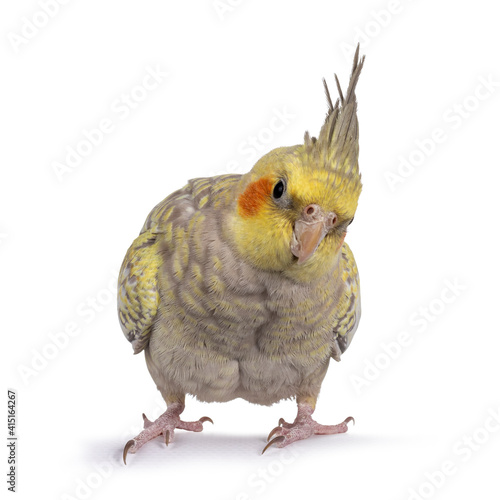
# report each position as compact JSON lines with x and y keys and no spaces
{"x":293,"y":208}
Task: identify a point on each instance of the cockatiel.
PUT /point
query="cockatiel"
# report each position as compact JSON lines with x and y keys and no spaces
{"x":241,"y":286}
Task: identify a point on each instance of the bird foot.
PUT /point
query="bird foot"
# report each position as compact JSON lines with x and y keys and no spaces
{"x":303,"y":427}
{"x":164,"y":426}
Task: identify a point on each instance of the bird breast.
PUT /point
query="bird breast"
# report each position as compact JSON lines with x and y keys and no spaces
{"x":226,"y":330}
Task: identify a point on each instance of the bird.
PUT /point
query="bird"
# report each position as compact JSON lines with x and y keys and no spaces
{"x":242,"y":286}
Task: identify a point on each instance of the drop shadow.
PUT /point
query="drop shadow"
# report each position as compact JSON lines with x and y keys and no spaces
{"x":198,"y":447}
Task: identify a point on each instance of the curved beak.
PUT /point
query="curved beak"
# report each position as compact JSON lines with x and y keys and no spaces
{"x":309,"y":231}
{"x":306,"y":239}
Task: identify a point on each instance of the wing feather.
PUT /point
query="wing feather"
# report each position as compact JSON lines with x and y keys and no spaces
{"x":349,"y":308}
{"x":138,"y":295}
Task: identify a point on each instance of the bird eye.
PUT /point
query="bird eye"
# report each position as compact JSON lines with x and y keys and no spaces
{"x":278,"y":190}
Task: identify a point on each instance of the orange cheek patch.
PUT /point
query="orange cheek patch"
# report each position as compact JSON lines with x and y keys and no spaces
{"x":254,"y":196}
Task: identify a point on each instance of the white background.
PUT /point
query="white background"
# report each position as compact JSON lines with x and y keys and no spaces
{"x":62,"y":239}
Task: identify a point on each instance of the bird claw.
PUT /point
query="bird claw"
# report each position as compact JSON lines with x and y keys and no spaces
{"x":302,"y":428}
{"x":147,"y":422}
{"x":350,"y":419}
{"x":163,"y":426}
{"x":271,"y":434}
{"x":129,"y":445}
{"x":283,"y":423}
{"x":206,"y":419}
{"x":277,"y":439}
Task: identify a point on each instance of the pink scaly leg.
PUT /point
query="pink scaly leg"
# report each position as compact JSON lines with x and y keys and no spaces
{"x":303,"y":427}
{"x":164,"y":425}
